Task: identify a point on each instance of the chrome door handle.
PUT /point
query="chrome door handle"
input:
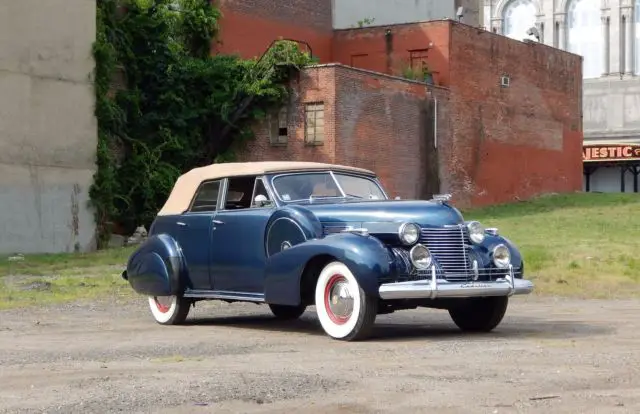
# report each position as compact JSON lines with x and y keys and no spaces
{"x":218,"y":222}
{"x":180,"y":223}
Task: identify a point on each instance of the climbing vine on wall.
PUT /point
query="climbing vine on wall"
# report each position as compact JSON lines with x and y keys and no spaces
{"x":164,"y":104}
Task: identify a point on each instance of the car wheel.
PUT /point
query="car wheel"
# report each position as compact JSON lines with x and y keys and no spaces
{"x":284,"y":312}
{"x":169,"y":310}
{"x":479,"y":314}
{"x":345,"y":310}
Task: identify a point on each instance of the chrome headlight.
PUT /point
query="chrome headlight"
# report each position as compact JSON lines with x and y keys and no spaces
{"x":409,"y":233}
{"x":501,"y":256}
{"x":420,"y":257}
{"x":476,"y":232}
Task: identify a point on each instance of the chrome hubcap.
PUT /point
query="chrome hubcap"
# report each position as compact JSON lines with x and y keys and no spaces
{"x":340,"y":299}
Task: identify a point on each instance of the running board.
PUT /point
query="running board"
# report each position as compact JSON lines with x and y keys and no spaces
{"x":224,"y":295}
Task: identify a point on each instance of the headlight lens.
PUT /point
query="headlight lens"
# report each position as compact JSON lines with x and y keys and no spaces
{"x":409,"y":233}
{"x":420,"y":257}
{"x":501,"y":256}
{"x":476,"y":232}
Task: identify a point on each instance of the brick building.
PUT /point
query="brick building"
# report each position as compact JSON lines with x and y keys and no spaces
{"x":495,"y":120}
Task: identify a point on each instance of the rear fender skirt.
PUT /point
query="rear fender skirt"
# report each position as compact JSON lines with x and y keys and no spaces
{"x":156,"y":267}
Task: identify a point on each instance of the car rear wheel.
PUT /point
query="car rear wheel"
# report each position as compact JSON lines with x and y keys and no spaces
{"x":479,"y":314}
{"x":169,"y":310}
{"x":284,"y":312}
{"x":346,"y":312}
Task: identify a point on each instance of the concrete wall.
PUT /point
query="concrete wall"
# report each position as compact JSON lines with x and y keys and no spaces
{"x":347,"y":13}
{"x":48,"y":133}
{"x":473,"y":12}
{"x":612,"y":109}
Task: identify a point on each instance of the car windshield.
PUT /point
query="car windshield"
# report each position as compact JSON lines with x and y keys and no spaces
{"x":308,"y":186}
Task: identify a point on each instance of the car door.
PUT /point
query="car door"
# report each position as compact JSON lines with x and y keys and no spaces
{"x":194,"y":233}
{"x":237,"y":245}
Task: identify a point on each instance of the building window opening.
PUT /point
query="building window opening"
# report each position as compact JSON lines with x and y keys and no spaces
{"x":279,"y":131}
{"x":585,"y":35}
{"x":314,"y":123}
{"x":519,"y":16}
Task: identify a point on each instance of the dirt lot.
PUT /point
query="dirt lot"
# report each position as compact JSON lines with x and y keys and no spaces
{"x":549,"y":355}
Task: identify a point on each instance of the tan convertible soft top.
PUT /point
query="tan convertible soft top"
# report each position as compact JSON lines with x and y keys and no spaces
{"x":187,"y":184}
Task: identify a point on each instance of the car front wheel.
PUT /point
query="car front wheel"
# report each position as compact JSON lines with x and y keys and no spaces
{"x":169,"y":310}
{"x":346,"y":312}
{"x":479,"y":314}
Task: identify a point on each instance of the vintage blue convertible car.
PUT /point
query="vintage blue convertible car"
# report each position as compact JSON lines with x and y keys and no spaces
{"x":294,"y":234}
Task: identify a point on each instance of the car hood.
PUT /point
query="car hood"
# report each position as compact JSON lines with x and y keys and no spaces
{"x":424,"y":213}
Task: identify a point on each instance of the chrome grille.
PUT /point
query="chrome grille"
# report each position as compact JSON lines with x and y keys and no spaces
{"x":448,"y":245}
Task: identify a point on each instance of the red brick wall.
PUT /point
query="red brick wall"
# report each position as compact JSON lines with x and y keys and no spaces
{"x":371,"y":48}
{"x":385,"y":124}
{"x":494,"y":144}
{"x":248,"y":27}
{"x":313,"y":85}
{"x":516,"y":142}
{"x":372,"y":121}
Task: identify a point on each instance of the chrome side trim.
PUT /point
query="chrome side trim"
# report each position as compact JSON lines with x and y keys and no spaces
{"x":360,"y":231}
{"x":224,"y":295}
{"x":439,"y":288}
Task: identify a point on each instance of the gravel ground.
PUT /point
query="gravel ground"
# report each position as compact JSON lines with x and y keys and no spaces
{"x":548,"y":356}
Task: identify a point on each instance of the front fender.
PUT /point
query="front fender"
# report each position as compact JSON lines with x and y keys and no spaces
{"x":156,"y":267}
{"x":365,"y":256}
{"x":491,"y":241}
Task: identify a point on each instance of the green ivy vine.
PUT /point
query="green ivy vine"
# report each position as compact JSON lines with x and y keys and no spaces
{"x":164,"y":104}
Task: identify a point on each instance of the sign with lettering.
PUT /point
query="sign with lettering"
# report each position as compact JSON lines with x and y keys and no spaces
{"x":613,"y":152}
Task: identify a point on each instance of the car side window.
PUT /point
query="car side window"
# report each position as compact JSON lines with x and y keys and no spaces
{"x":239,"y":193}
{"x":207,"y":197}
{"x":260,"y":197}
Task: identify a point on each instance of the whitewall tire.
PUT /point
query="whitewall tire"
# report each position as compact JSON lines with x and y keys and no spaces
{"x":345,"y":310}
{"x":169,"y":310}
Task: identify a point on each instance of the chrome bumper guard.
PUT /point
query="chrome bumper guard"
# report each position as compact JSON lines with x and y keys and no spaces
{"x":434,"y":288}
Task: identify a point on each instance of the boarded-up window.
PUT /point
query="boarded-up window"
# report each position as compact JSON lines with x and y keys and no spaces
{"x":278,"y":123}
{"x":314,"y":123}
{"x":418,"y":59}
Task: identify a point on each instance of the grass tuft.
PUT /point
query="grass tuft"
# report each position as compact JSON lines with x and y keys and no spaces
{"x":59,"y":278}
{"x":581,"y":245}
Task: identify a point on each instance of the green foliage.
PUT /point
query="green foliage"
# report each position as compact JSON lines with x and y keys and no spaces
{"x":175,"y":105}
{"x":367,"y":21}
{"x":421,"y":75}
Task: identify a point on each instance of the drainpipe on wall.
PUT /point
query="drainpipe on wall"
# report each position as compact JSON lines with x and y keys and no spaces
{"x":389,"y":48}
{"x":435,"y":122}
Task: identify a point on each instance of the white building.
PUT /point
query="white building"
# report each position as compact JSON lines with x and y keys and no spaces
{"x":352,"y":13}
{"x":606,"y":33}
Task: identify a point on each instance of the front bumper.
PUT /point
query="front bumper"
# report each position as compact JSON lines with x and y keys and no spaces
{"x":437,"y":288}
